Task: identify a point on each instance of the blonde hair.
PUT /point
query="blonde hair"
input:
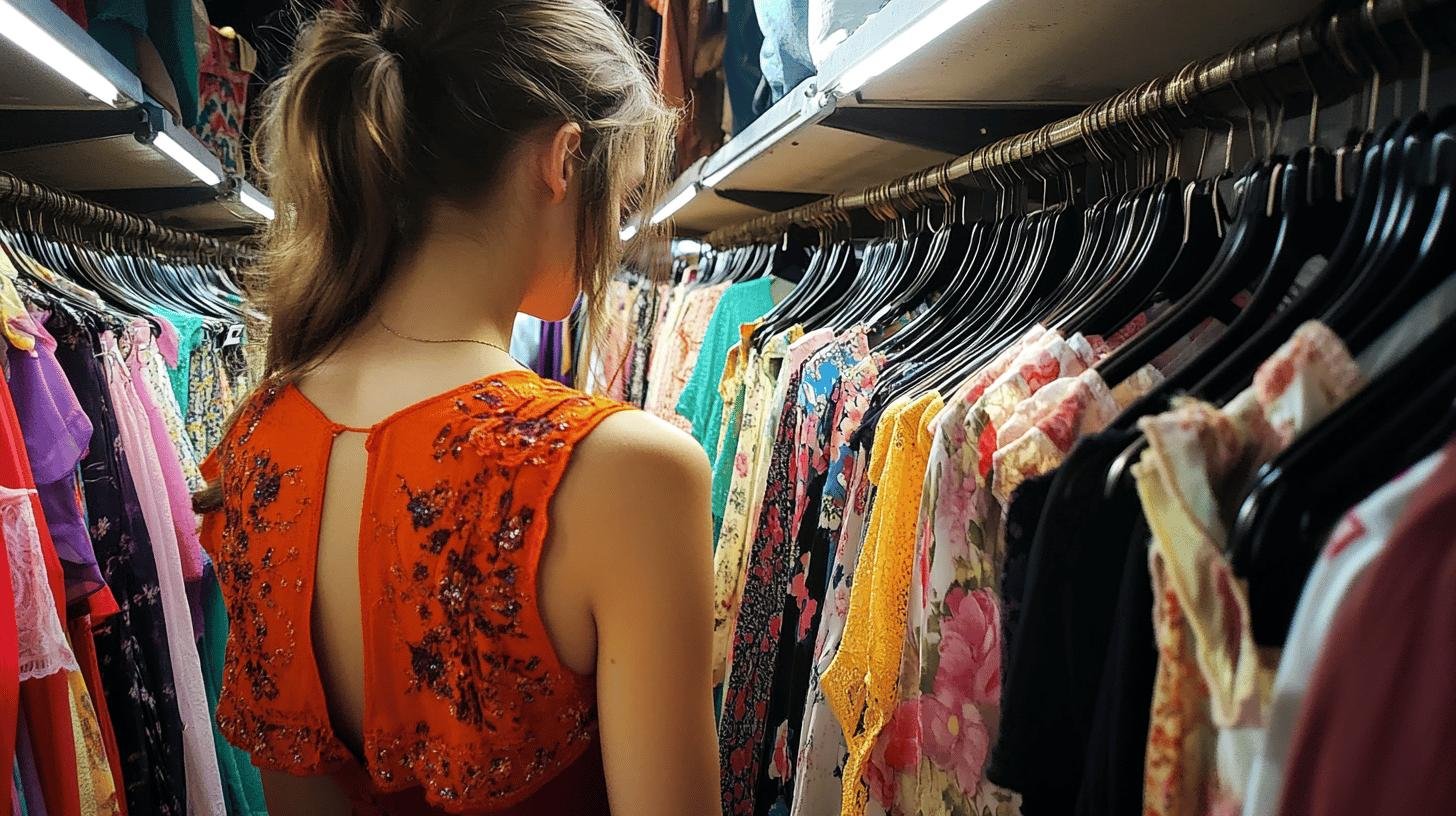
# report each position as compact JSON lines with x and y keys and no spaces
{"x":374,"y":121}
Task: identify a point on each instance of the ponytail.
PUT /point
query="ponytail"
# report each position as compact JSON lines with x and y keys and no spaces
{"x":375,"y":121}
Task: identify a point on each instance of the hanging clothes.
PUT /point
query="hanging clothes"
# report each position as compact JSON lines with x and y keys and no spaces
{"x":139,"y":437}
{"x":226,"y":72}
{"x":133,"y":647}
{"x":1381,"y":681}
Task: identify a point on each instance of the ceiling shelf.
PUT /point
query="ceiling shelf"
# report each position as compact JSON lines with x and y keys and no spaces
{"x":125,"y":151}
{"x":990,"y":70}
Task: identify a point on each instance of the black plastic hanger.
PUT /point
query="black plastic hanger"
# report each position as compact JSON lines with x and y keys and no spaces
{"x":1297,"y":496}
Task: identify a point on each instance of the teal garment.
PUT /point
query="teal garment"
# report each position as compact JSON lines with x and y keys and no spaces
{"x":723,"y":466}
{"x":700,"y":403}
{"x":241,"y":784}
{"x":189,"y":334}
{"x":17,"y":790}
{"x":168,"y":25}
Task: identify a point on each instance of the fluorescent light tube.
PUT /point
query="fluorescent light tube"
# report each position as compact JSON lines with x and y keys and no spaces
{"x":193,"y":165}
{"x":256,"y":204}
{"x":906,"y":41}
{"x":21,"y":30}
{"x":628,"y":231}
{"x":716,"y":177}
{"x":677,"y":203}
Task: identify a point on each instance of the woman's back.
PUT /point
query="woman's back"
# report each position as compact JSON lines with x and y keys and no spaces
{"x":448,"y":592}
{"x":447,"y":676}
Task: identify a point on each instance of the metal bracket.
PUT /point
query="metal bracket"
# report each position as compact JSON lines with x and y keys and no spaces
{"x":950,"y":130}
{"x":42,"y":128}
{"x":768,"y":200}
{"x":157,"y":199}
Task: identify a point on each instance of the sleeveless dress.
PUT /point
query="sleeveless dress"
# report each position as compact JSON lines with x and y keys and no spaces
{"x":468,"y":709}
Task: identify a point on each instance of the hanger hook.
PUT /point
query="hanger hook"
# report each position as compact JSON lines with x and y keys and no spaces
{"x":1423,"y":98}
{"x":1367,"y":13}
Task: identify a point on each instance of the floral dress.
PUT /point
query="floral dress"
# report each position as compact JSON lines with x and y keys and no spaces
{"x":818,"y":393}
{"x":760,"y":615}
{"x":134,"y":657}
{"x":951,"y":668}
{"x":843,"y":512}
{"x":1212,"y":687}
{"x":752,"y":451}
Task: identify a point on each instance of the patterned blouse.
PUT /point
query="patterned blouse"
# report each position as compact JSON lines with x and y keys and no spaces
{"x":1212,"y":686}
{"x":765,"y":584}
{"x":676,"y":350}
{"x":806,"y":559}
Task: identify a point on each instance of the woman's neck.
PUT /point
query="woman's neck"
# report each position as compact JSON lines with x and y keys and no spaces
{"x":457,"y":284}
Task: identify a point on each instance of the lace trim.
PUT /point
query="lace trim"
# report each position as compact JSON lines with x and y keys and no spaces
{"x":44,"y":649}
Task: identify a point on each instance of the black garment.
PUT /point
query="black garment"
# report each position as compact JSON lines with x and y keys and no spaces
{"x":131,"y":646}
{"x":1112,"y":781}
{"x":1023,"y":512}
{"x":1062,"y":627}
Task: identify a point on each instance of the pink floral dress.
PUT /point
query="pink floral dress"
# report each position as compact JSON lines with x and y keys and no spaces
{"x":935,"y":747}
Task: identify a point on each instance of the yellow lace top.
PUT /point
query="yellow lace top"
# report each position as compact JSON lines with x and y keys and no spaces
{"x":860,"y":683}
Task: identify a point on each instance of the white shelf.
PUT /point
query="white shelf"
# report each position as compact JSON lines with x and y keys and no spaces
{"x":1022,"y":57}
{"x":54,"y":133}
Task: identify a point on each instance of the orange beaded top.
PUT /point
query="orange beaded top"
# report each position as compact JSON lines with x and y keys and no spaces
{"x":465,"y":697}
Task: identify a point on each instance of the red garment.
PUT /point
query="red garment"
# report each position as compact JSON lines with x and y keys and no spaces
{"x":84,"y":645}
{"x":75,"y":9}
{"x":468,"y":706}
{"x":47,"y":700}
{"x":1378,"y":731}
{"x":9,"y":679}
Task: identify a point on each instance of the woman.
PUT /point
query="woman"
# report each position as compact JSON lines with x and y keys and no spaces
{"x":454,"y":586}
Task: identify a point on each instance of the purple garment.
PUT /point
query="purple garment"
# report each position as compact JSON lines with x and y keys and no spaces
{"x":549,"y":360}
{"x":29,"y":773}
{"x":57,"y":434}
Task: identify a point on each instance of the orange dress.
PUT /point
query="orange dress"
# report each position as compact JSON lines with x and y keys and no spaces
{"x":468,"y":709}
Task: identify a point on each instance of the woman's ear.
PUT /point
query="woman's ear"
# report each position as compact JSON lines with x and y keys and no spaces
{"x":559,"y":160}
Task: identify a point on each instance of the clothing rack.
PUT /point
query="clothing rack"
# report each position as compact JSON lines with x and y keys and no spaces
{"x":1164,"y":100}
{"x":74,"y":211}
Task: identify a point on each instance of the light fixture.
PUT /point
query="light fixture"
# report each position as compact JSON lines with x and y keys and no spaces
{"x":716,"y":177}
{"x":628,"y":231}
{"x":179,"y":154}
{"x":678,"y":201}
{"x":17,"y":27}
{"x":906,"y":41}
{"x":257,"y":205}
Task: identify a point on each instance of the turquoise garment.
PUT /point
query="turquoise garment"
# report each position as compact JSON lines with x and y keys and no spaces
{"x":17,"y":790}
{"x":241,"y":784}
{"x":168,"y":25}
{"x":189,"y":334}
{"x":723,"y":466}
{"x":700,"y":403}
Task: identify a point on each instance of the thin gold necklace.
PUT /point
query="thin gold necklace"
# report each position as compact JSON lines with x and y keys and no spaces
{"x":403,"y":336}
